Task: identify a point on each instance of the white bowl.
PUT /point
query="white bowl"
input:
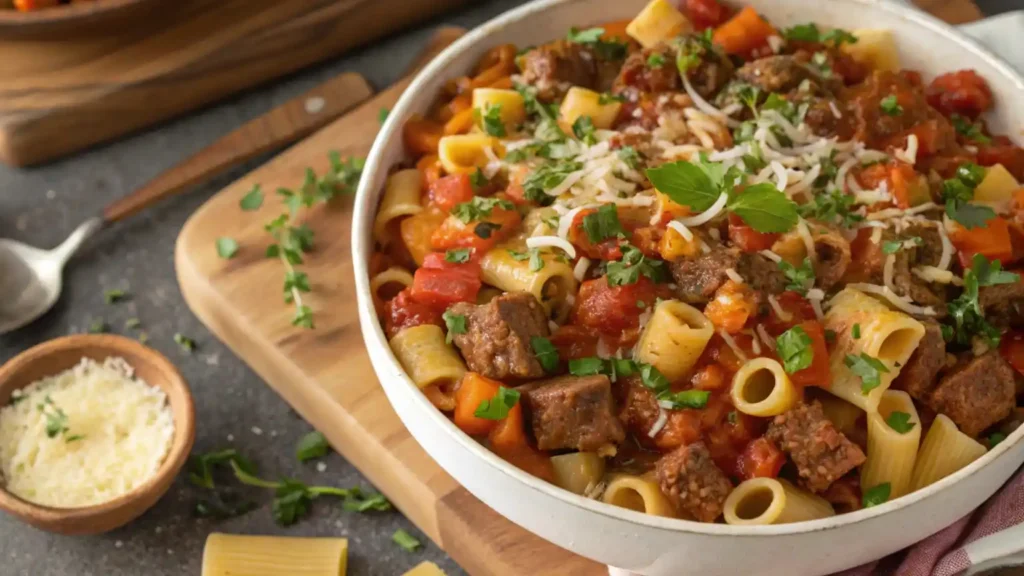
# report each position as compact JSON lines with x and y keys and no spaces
{"x":623,"y":538}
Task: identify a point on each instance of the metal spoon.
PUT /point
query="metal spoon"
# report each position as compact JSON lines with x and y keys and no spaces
{"x":30,"y":278}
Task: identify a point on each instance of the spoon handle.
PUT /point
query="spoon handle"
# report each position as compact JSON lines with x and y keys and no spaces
{"x":283,"y":125}
{"x":69,"y":246}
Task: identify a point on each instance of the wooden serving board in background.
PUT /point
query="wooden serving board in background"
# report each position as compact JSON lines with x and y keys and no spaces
{"x":325,"y":373}
{"x":61,"y":95}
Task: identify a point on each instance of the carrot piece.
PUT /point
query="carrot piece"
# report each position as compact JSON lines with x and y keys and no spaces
{"x":531,"y":461}
{"x":743,"y":33}
{"x":993,"y":242}
{"x":509,"y":434}
{"x":732,"y":305}
{"x":473,"y":390}
{"x":422,"y":136}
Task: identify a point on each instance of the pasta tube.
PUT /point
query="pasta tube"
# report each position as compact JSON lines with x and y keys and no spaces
{"x":231,"y":555}
{"x":674,"y":338}
{"x":578,"y":472}
{"x":885,"y":335}
{"x":425,"y":569}
{"x":892,"y":453}
{"x":945,"y":450}
{"x":401,"y":198}
{"x":638,"y":493}
{"x":426,"y":357}
{"x":393,"y":275}
{"x":464,"y":153}
{"x":761,"y":501}
{"x":552,"y":284}
{"x":761,"y":387}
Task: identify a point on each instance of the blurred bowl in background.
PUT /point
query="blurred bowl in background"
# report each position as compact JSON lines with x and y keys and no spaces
{"x":77,"y":18}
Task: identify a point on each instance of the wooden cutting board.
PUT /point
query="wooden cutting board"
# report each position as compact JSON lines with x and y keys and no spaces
{"x":61,"y":95}
{"x":325,"y":374}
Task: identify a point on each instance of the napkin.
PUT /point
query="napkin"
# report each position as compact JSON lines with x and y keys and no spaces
{"x":990,"y":536}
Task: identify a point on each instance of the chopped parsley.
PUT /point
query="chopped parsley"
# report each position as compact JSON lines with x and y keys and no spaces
{"x":115,"y":295}
{"x":657,"y":383}
{"x":801,"y":278}
{"x":185,"y":343}
{"x":630,"y":156}
{"x":900,"y":422}
{"x":655,"y":60}
{"x":533,"y":255}
{"x":994,"y":439}
{"x":98,"y":326}
{"x":490,"y":121}
{"x":602,"y":224}
{"x":583,"y":128}
{"x":607,"y":98}
{"x":586,"y":366}
{"x":588,"y":36}
{"x":700,"y":185}
{"x":819,"y":61}
{"x":606,"y":49}
{"x":834,"y":207}
{"x":457,"y":255}
{"x":477,"y":180}
{"x":692,"y":50}
{"x":957,"y":192}
{"x":891,"y":105}
{"x":252,"y":200}
{"x":546,"y":177}
{"x":405,"y":540}
{"x":311,"y":446}
{"x":632,"y":266}
{"x":382,"y":115}
{"x":876,"y":495}
{"x":545,"y":352}
{"x":891,"y":246}
{"x":965,"y":311}
{"x":455,"y":323}
{"x":56,"y":419}
{"x":497,"y":408}
{"x":810,"y":33}
{"x":784,"y":107}
{"x":795,"y":348}
{"x":968,"y":129}
{"x":479,"y":208}
{"x":869,"y":368}
{"x":227,"y":247}
{"x":855,"y":332}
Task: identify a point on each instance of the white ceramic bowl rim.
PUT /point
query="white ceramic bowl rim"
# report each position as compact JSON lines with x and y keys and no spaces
{"x":364,"y":213}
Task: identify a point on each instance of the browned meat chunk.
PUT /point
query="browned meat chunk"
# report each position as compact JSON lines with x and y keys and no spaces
{"x":699,"y":278}
{"x":783,"y":74}
{"x":496,"y":343}
{"x":692,"y":482}
{"x":927,"y":252}
{"x":977,"y":393}
{"x":1003,"y":304}
{"x":833,"y":257}
{"x":573,"y":413}
{"x":917,"y":377}
{"x":878,"y":129}
{"x":821,"y":118}
{"x":649,"y":70}
{"x":555,"y":67}
{"x":821,"y":453}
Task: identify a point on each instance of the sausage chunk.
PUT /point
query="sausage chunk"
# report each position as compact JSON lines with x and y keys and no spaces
{"x":699,"y":278}
{"x":976,"y":393}
{"x":1003,"y":304}
{"x":496,"y":343}
{"x":692,"y":481}
{"x":573,"y":413}
{"x":781,"y":74}
{"x":555,"y":67}
{"x":917,"y":377}
{"x":821,"y":453}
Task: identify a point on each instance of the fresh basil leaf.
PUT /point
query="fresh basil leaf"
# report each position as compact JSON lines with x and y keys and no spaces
{"x":686,"y":184}
{"x":765,"y":209}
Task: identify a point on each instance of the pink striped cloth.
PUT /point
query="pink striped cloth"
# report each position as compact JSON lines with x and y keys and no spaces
{"x":943,"y":553}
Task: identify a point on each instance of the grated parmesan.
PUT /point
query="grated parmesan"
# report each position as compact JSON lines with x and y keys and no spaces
{"x":732,"y":344}
{"x":553,"y":242}
{"x":120,"y":429}
{"x":579,"y":271}
{"x":893,"y":298}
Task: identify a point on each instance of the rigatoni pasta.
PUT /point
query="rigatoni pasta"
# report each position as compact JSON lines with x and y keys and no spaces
{"x":709,"y":275}
{"x":232,"y":555}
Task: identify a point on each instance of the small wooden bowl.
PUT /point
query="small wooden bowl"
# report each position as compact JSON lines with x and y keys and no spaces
{"x":58,"y":355}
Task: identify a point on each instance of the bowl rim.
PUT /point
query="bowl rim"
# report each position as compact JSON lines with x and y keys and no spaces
{"x":373,"y":334}
{"x":177,"y":453}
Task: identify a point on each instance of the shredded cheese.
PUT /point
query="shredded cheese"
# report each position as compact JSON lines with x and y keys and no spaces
{"x":682,"y":229}
{"x":777,"y":308}
{"x":707,"y":215}
{"x":118,"y":432}
{"x":762,"y":333}
{"x":553,"y":242}
{"x":659,"y":423}
{"x":731,"y":342}
{"x":579,"y":271}
{"x":734,"y":276}
{"x":805,"y":235}
{"x":771,"y":256}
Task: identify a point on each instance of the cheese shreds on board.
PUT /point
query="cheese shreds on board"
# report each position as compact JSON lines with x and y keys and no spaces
{"x":117,"y":432}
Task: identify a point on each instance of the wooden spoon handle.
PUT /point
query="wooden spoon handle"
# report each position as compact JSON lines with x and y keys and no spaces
{"x":283,"y":125}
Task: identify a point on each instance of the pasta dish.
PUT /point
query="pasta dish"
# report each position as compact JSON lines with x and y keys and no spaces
{"x":703,"y":266}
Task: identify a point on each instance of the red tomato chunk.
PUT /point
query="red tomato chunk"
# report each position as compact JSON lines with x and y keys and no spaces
{"x":403,"y":311}
{"x":963,"y":92}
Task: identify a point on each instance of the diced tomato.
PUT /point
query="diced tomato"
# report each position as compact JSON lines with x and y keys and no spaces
{"x":732,"y":306}
{"x":439,"y":284}
{"x":710,"y":377}
{"x":612,"y":309}
{"x":723,"y":354}
{"x":705,"y":14}
{"x":727,"y":432}
{"x":604,"y":250}
{"x":448,"y":191}
{"x":760,"y":459}
{"x":403,"y":311}
{"x":574,"y":342}
{"x":745,"y":34}
{"x":1011,"y":347}
{"x":796,"y":308}
{"x":748,"y":239}
{"x":818,"y":373}
{"x":963,"y":92}
{"x":481,"y":235}
{"x":992,"y":241}
{"x":1002,"y":151}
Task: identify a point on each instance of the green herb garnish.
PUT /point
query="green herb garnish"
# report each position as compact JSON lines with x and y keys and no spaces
{"x":455,"y":323}
{"x":900,"y":422}
{"x":405,"y":540}
{"x":497,"y":408}
{"x":869,"y":368}
{"x":311,"y":446}
{"x":795,"y":348}
{"x":227,"y":247}
{"x":545,"y":352}
{"x":876,"y":495}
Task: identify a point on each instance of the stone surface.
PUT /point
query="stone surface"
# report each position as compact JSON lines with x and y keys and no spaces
{"x":234,"y":407}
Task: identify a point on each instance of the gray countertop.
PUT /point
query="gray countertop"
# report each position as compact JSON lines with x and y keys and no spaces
{"x":234,"y":407}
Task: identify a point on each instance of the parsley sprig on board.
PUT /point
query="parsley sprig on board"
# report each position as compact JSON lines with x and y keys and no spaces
{"x":292,"y":239}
